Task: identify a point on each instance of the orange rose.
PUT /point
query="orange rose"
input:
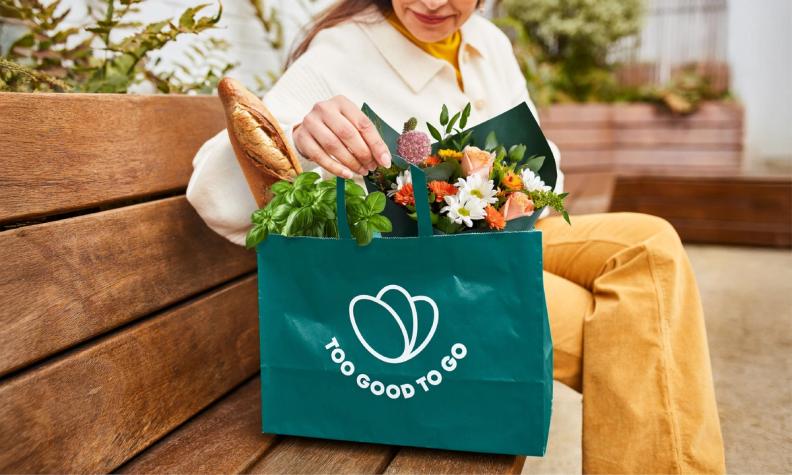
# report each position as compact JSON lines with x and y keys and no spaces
{"x":495,"y":219}
{"x":512,"y":181}
{"x":477,"y":162}
{"x":441,"y":189}
{"x":517,"y":205}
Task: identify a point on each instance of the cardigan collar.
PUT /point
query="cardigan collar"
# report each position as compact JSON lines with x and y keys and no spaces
{"x":415,"y":66}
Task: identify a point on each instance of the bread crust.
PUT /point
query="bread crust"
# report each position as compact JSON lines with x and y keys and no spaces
{"x":261,"y":147}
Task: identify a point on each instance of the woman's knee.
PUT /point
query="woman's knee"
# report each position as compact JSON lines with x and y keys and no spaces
{"x":651,"y":228}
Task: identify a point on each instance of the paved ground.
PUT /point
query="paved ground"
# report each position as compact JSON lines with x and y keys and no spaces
{"x":747,"y":295}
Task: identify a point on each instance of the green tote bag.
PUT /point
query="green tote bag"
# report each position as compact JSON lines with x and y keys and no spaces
{"x":438,"y":341}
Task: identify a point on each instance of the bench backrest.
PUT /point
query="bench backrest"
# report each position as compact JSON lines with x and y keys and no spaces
{"x":121,"y":314}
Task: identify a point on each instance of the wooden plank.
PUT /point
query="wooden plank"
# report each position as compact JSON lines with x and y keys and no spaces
{"x":309,"y":456}
{"x":674,"y":158}
{"x":710,"y":114}
{"x":413,"y":460}
{"x":674,"y":137}
{"x":586,"y":139}
{"x":92,"y":409}
{"x":723,"y":210}
{"x":226,"y":438}
{"x":66,"y":281}
{"x":63,"y":152}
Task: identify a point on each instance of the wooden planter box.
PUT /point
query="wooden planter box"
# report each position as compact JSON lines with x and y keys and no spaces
{"x":599,"y":141}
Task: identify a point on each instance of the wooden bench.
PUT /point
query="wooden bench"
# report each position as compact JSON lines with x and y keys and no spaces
{"x":128,"y":329}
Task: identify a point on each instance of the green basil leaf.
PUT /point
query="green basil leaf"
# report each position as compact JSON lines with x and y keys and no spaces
{"x":280,"y":187}
{"x":281,"y":212}
{"x":261,"y":215}
{"x":375,"y":202}
{"x":381,"y":223}
{"x":356,"y":211}
{"x":353,"y":189}
{"x":303,"y":219}
{"x":362,"y":233}
{"x":306,"y":179}
{"x":255,"y":236}
{"x":304,"y":197}
{"x":324,"y":210}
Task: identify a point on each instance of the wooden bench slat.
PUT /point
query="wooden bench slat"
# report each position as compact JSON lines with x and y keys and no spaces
{"x":309,"y":456}
{"x":65,"y":281}
{"x":74,"y":151}
{"x":414,"y":460}
{"x":92,"y":409}
{"x":226,"y":438}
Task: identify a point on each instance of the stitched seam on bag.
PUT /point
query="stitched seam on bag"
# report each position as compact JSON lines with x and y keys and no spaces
{"x":666,"y":358}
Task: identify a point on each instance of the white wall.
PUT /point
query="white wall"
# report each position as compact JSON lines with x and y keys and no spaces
{"x":760,"y":53}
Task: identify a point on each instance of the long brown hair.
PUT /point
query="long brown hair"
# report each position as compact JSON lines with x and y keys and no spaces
{"x":336,"y":14}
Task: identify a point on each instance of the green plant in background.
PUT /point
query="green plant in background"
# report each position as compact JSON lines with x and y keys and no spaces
{"x":91,"y":57}
{"x":563,"y":48}
{"x":307,"y":207}
{"x":564,"y":44}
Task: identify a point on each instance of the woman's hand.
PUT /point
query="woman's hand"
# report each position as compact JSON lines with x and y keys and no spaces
{"x":337,"y":136}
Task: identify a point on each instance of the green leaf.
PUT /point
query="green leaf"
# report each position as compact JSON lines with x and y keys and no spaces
{"x":465,"y":115}
{"x":303,"y":219}
{"x":451,"y":122}
{"x":466,"y":138}
{"x":491,"y":142}
{"x":375,"y":202}
{"x":281,"y":212}
{"x":434,"y":132}
{"x":281,"y":187}
{"x":381,"y":223}
{"x":305,"y":198}
{"x":566,"y":217}
{"x":356,"y":211}
{"x":516,"y":153}
{"x":362,"y":232}
{"x":256,"y":235}
{"x":444,"y":115}
{"x":535,"y":163}
{"x":443,"y":171}
{"x":324,"y":210}
{"x":261,"y":215}
{"x":306,"y":179}
{"x":353,"y":189}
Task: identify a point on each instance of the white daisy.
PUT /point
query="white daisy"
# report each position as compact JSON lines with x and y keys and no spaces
{"x":532,"y":182}
{"x":478,"y":188}
{"x":464,"y":209}
{"x":402,"y":179}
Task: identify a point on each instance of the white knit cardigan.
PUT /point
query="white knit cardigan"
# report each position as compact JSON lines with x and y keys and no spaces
{"x":366,"y":60}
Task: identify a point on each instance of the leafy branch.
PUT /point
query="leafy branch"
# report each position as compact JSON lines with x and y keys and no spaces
{"x":452,"y":136}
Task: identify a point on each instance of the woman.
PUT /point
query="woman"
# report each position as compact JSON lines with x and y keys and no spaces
{"x":620,"y":288}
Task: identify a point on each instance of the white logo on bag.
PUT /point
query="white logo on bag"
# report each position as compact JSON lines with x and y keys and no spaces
{"x":410,"y":338}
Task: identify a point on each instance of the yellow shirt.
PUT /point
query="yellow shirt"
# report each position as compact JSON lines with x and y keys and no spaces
{"x":447,"y":49}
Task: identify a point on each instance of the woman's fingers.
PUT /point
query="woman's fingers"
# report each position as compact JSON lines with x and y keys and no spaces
{"x":377,"y":149}
{"x":331,"y":144}
{"x":311,"y":149}
{"x":352,"y":140}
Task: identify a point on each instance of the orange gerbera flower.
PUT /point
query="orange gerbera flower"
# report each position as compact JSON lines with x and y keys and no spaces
{"x":441,"y":189}
{"x":495,"y":219}
{"x":512,"y":181}
{"x":431,"y":161}
{"x":405,"y":195}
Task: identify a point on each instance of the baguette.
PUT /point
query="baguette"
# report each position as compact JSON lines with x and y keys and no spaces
{"x":261,"y":147}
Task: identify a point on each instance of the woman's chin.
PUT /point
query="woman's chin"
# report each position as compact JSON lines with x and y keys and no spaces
{"x":431,"y":34}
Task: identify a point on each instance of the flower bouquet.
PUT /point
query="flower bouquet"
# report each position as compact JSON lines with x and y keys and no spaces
{"x":476,"y":182}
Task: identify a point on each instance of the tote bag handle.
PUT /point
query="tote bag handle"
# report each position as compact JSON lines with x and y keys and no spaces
{"x":419,"y":192}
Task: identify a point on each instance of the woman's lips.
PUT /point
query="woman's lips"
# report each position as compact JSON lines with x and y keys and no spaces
{"x":430,"y":19}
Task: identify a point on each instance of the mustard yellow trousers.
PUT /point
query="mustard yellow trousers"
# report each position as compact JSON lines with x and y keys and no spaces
{"x":628,"y":333}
